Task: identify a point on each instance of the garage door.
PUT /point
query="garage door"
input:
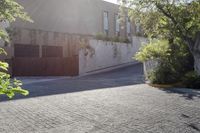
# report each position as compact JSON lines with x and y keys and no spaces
{"x":27,"y":61}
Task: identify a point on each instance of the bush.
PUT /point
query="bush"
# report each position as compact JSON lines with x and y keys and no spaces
{"x":191,"y":80}
{"x":156,"y":49}
{"x":7,"y":86}
{"x":173,"y":61}
{"x":127,"y":40}
{"x":101,"y":36}
{"x":139,"y":34}
{"x":116,"y":39}
{"x":163,"y":74}
{"x":124,"y":40}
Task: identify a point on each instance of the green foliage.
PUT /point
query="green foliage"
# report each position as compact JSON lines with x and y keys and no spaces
{"x":116,"y":39}
{"x":7,"y":86}
{"x":9,"y":12}
{"x":101,"y":36}
{"x":176,"y":21}
{"x":191,"y":80}
{"x":163,"y":74}
{"x":173,"y":63}
{"x":139,"y":34}
{"x":170,"y":20}
{"x":163,"y":18}
{"x":156,"y":49}
{"x":125,"y":40}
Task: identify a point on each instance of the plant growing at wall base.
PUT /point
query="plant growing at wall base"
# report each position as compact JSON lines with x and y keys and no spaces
{"x":103,"y":37}
{"x":85,"y":45}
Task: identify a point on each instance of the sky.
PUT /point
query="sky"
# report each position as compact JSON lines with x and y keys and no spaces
{"x":113,"y":1}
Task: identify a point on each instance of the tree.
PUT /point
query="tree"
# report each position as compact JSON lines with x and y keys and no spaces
{"x":9,"y":12}
{"x":172,"y":20}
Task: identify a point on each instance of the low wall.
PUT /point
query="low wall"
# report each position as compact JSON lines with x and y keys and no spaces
{"x":102,"y":55}
{"x":149,"y":66}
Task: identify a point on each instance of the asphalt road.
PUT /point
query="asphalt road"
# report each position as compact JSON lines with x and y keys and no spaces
{"x":111,"y":102}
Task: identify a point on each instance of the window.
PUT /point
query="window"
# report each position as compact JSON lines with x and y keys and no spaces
{"x":117,"y":25}
{"x":128,"y":26}
{"x":105,"y":22}
{"x":137,"y":23}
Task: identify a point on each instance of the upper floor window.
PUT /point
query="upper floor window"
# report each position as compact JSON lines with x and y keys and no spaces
{"x":128,"y":26}
{"x":117,"y":25}
{"x":105,"y":22}
{"x":137,"y":23}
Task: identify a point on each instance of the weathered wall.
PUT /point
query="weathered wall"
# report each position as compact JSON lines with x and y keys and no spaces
{"x":103,"y":55}
{"x":69,"y":42}
{"x":69,"y":16}
{"x":112,"y":10}
{"x":66,"y":16}
{"x":149,"y":66}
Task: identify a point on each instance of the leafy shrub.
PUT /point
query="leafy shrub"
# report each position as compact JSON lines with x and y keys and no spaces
{"x":115,"y":39}
{"x":156,"y":49}
{"x":126,"y":40}
{"x":7,"y":86}
{"x":191,"y":80}
{"x":173,"y":61}
{"x":163,"y":74}
{"x":101,"y":36}
{"x":139,"y":34}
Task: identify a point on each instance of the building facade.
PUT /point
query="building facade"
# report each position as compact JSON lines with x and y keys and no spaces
{"x":87,"y":17}
{"x":50,"y":46}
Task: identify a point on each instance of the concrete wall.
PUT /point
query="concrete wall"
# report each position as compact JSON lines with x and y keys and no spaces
{"x":69,"y":42}
{"x":69,"y":16}
{"x":66,"y":16}
{"x":107,"y":55}
{"x":149,"y":66}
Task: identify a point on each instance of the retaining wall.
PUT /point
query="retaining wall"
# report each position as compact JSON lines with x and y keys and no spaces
{"x":102,"y":55}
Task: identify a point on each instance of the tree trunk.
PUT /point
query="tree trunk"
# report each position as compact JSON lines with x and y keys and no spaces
{"x":196,"y":54}
{"x":197,"y":64}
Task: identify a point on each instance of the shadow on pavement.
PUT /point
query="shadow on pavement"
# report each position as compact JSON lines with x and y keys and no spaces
{"x":117,"y":78}
{"x":188,"y":94}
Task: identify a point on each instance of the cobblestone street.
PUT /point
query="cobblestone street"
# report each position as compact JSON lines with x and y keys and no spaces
{"x":112,"y":102}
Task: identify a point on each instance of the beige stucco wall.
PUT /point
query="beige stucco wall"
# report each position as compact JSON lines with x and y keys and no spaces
{"x":66,"y":16}
{"x":107,"y":55}
{"x":69,"y":42}
{"x":69,"y":16}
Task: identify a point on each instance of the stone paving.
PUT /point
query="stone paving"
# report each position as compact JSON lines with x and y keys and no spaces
{"x":112,"y":102}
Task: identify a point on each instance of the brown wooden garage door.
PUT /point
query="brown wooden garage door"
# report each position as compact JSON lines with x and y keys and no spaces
{"x":27,"y":61}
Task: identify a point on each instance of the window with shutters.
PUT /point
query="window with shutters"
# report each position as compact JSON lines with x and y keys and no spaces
{"x":128,"y":26}
{"x":105,"y":20}
{"x":117,"y":25}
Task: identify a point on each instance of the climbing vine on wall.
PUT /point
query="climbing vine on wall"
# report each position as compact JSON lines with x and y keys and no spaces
{"x":85,"y":46}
